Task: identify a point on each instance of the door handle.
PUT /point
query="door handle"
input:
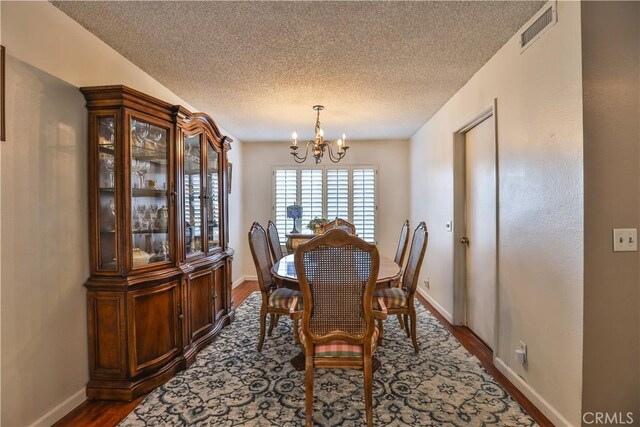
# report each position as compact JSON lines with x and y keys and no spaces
{"x":465,"y":240}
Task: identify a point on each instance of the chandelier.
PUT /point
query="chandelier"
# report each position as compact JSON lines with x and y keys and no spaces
{"x":319,"y":145}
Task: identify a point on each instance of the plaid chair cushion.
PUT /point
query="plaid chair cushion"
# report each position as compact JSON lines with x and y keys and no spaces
{"x":281,"y":298}
{"x":392,"y":297}
{"x":341,"y":348}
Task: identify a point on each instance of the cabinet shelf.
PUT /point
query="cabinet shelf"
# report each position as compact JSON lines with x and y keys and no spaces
{"x":158,"y":231}
{"x":158,"y":155}
{"x":139,"y":192}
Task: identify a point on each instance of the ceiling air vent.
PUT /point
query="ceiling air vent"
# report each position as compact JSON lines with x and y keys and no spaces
{"x":541,"y":22}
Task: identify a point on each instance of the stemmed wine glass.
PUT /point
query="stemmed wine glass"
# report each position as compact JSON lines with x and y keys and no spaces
{"x":141,"y":131}
{"x":135,"y":171}
{"x":153,"y":216}
{"x":109,"y":164}
{"x":143,"y":169}
{"x":141,"y":211}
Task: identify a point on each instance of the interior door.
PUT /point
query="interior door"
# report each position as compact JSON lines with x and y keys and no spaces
{"x":480,"y":193}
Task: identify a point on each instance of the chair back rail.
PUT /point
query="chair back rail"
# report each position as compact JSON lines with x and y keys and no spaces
{"x":341,"y":224}
{"x":416,"y":256}
{"x":261,"y":257}
{"x":274,"y":242}
{"x":402,"y":243}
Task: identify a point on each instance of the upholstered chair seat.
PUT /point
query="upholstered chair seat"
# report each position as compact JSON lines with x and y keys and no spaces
{"x":283,"y":298}
{"x":392,"y":297}
{"x":339,"y":348}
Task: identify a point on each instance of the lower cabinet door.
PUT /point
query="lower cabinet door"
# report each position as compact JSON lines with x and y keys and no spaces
{"x":154,"y":326}
{"x":200,"y":296}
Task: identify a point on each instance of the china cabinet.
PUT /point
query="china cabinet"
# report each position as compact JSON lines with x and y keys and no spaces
{"x":160,"y":285}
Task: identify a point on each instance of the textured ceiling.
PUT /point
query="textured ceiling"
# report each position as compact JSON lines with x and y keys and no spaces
{"x":380,"y":68}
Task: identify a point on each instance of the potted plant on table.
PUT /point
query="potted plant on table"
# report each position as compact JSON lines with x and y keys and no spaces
{"x":316,"y":224}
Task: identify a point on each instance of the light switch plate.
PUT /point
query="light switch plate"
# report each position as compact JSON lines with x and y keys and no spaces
{"x":625,"y":239}
{"x":449,"y":226}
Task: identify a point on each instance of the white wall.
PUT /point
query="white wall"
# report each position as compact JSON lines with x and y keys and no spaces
{"x":540,"y":211}
{"x":43,"y":197}
{"x":391,"y":157}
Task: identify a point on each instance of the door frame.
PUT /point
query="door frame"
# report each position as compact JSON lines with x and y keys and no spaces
{"x":459,"y":217}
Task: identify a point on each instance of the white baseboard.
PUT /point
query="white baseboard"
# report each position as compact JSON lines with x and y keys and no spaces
{"x":437,"y":306}
{"x":61,"y":410}
{"x":549,"y":411}
{"x":243,"y":279}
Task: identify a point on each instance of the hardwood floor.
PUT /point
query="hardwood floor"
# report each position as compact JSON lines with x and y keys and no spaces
{"x":105,"y":413}
{"x":475,"y":346}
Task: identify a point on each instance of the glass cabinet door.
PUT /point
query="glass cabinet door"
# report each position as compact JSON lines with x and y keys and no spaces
{"x":149,"y":199}
{"x":107,"y":196}
{"x":212,"y":201}
{"x":193,"y":194}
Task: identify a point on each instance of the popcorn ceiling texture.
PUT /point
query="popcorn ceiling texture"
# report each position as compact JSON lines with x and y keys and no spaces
{"x":381,"y":69}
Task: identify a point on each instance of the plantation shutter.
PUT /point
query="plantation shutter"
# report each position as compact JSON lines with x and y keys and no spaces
{"x":364,"y":202}
{"x":337,"y":194}
{"x":310,"y":195}
{"x":285,"y":184}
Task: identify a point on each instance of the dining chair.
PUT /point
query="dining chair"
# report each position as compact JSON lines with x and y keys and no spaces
{"x":400,"y":300}
{"x":337,"y":273}
{"x":274,"y":242}
{"x":340,"y":224}
{"x":275,"y":301}
{"x":401,"y":251}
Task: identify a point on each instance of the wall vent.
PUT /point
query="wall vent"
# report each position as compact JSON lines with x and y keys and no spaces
{"x":541,"y":22}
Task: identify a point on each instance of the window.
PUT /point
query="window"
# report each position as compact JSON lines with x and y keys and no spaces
{"x":326,"y":192}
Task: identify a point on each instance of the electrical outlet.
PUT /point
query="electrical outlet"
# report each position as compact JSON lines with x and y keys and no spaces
{"x":427,"y":283}
{"x":521,"y":353}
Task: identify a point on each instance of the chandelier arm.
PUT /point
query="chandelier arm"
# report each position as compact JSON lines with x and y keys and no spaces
{"x":298,"y":158}
{"x":334,"y":158}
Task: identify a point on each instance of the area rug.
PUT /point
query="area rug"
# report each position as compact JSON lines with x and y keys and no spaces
{"x":231,"y":384}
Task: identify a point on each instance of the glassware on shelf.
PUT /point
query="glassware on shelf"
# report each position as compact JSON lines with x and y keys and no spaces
{"x":149,"y":176}
{"x":141,"y":222}
{"x":112,"y":209}
{"x":109,"y":164}
{"x":143,"y":169}
{"x":153,"y":217}
{"x":107,"y":131}
{"x":139,"y":131}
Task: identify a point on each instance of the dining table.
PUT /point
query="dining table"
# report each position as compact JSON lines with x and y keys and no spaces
{"x":285,"y":271}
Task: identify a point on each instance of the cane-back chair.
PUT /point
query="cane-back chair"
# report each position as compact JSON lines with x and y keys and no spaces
{"x":337,"y":273}
{"x":402,"y":243}
{"x":274,"y":242}
{"x":340,"y":224}
{"x":275,"y":301}
{"x":400,"y":300}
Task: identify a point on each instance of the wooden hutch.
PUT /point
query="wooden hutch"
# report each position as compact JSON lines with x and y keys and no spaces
{"x":160,"y":285}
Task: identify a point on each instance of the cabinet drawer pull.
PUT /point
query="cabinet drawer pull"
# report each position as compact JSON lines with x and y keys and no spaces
{"x":180,"y":316}
{"x":214,"y":296}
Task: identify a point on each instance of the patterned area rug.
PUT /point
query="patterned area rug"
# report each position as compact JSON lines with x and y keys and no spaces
{"x":231,"y":384}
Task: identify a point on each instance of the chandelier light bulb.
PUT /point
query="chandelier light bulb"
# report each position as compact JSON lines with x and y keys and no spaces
{"x":321,"y":133}
{"x":294,"y":135}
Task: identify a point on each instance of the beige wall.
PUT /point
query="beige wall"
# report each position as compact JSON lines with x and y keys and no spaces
{"x":391,"y":157}
{"x":43,"y":214}
{"x":44,"y":244}
{"x":539,"y":133}
{"x":611,"y":82}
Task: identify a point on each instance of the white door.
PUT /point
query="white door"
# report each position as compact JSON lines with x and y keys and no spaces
{"x":480,"y":193}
